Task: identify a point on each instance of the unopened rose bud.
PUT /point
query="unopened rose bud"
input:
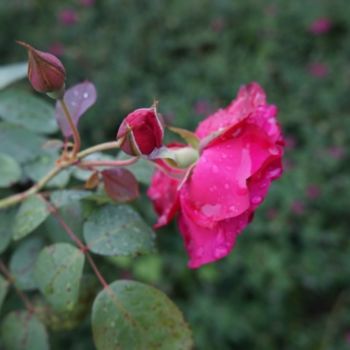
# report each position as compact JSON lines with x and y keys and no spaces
{"x":141,"y":131}
{"x":46,"y":72}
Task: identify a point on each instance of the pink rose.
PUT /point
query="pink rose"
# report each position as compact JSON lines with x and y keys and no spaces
{"x":68,"y":17}
{"x":240,"y":154}
{"x":320,"y":26}
{"x":318,"y":70}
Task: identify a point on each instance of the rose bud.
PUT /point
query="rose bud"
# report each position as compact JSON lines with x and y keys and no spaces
{"x":141,"y":132}
{"x":46,"y":72}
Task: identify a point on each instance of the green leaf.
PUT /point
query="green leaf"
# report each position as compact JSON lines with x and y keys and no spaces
{"x":58,"y":272}
{"x":22,"y":263}
{"x":64,"y":197}
{"x":40,"y":166}
{"x":118,"y":230}
{"x":6,"y":219}
{"x":3,"y":289}
{"x":21,"y":330}
{"x":132,"y":315}
{"x":72,"y":215}
{"x":190,"y":137}
{"x":10,"y":171}
{"x":12,"y":72}
{"x":33,"y":113}
{"x":32,"y":212}
{"x":19,"y":143}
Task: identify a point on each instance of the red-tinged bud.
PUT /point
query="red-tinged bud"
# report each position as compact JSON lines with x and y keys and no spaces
{"x":142,"y":131}
{"x":46,"y":72}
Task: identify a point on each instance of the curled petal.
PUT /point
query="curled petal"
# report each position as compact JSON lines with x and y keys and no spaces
{"x":248,"y":99}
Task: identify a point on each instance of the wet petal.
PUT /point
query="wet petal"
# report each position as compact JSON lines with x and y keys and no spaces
{"x":248,"y":99}
{"x":217,"y":189}
{"x":205,"y":245}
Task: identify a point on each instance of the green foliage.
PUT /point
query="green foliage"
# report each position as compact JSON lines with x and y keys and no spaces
{"x":10,"y":171}
{"x":132,"y":315}
{"x":21,"y":330}
{"x":32,"y":112}
{"x":118,"y":230}
{"x":3,"y":290}
{"x":58,"y":272}
{"x":22,"y":263}
{"x":32,"y":212}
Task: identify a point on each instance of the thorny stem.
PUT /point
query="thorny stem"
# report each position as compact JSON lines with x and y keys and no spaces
{"x":29,"y":306}
{"x":76,"y":135}
{"x":60,"y":165}
{"x":78,"y":242}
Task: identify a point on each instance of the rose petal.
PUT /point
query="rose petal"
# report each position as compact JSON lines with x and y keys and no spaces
{"x":79,"y":99}
{"x":164,"y":194}
{"x":205,"y":245}
{"x":218,"y":187}
{"x":248,"y":98}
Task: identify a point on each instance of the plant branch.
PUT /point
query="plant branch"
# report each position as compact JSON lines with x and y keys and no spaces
{"x":60,"y":165}
{"x":78,"y":242}
{"x":111,"y":163}
{"x":29,"y":306}
{"x":76,"y":135}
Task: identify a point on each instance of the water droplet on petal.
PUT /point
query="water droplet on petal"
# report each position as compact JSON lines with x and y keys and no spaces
{"x":85,"y":95}
{"x":220,"y":252}
{"x":236,"y":132}
{"x":256,"y":199}
{"x":215,"y":169}
{"x":227,"y":186}
{"x":274,"y":151}
{"x":199,"y":252}
{"x":275,"y":173}
{"x":211,"y":210}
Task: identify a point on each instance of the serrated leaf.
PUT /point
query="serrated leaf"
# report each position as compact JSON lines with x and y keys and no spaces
{"x":19,"y":143}
{"x":72,"y":215}
{"x":65,"y":197}
{"x":7,"y":217}
{"x":4,"y":284}
{"x":22,"y":263}
{"x":10,"y":73}
{"x":79,"y":98}
{"x":58,"y":272}
{"x":40,"y":166}
{"x":31,"y":112}
{"x":132,"y":315}
{"x":21,"y":330}
{"x":32,"y":212}
{"x":10,"y":171}
{"x":120,"y":184}
{"x":118,"y":230}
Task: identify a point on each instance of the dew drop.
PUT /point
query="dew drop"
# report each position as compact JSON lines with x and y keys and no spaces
{"x":274,"y":151}
{"x":275,"y":172}
{"x":220,"y":252}
{"x":211,"y":210}
{"x":85,"y":95}
{"x":236,"y":132}
{"x":215,"y":169}
{"x":227,"y":186}
{"x":257,"y":199}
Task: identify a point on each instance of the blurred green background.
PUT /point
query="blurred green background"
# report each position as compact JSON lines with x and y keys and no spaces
{"x":286,"y":285}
